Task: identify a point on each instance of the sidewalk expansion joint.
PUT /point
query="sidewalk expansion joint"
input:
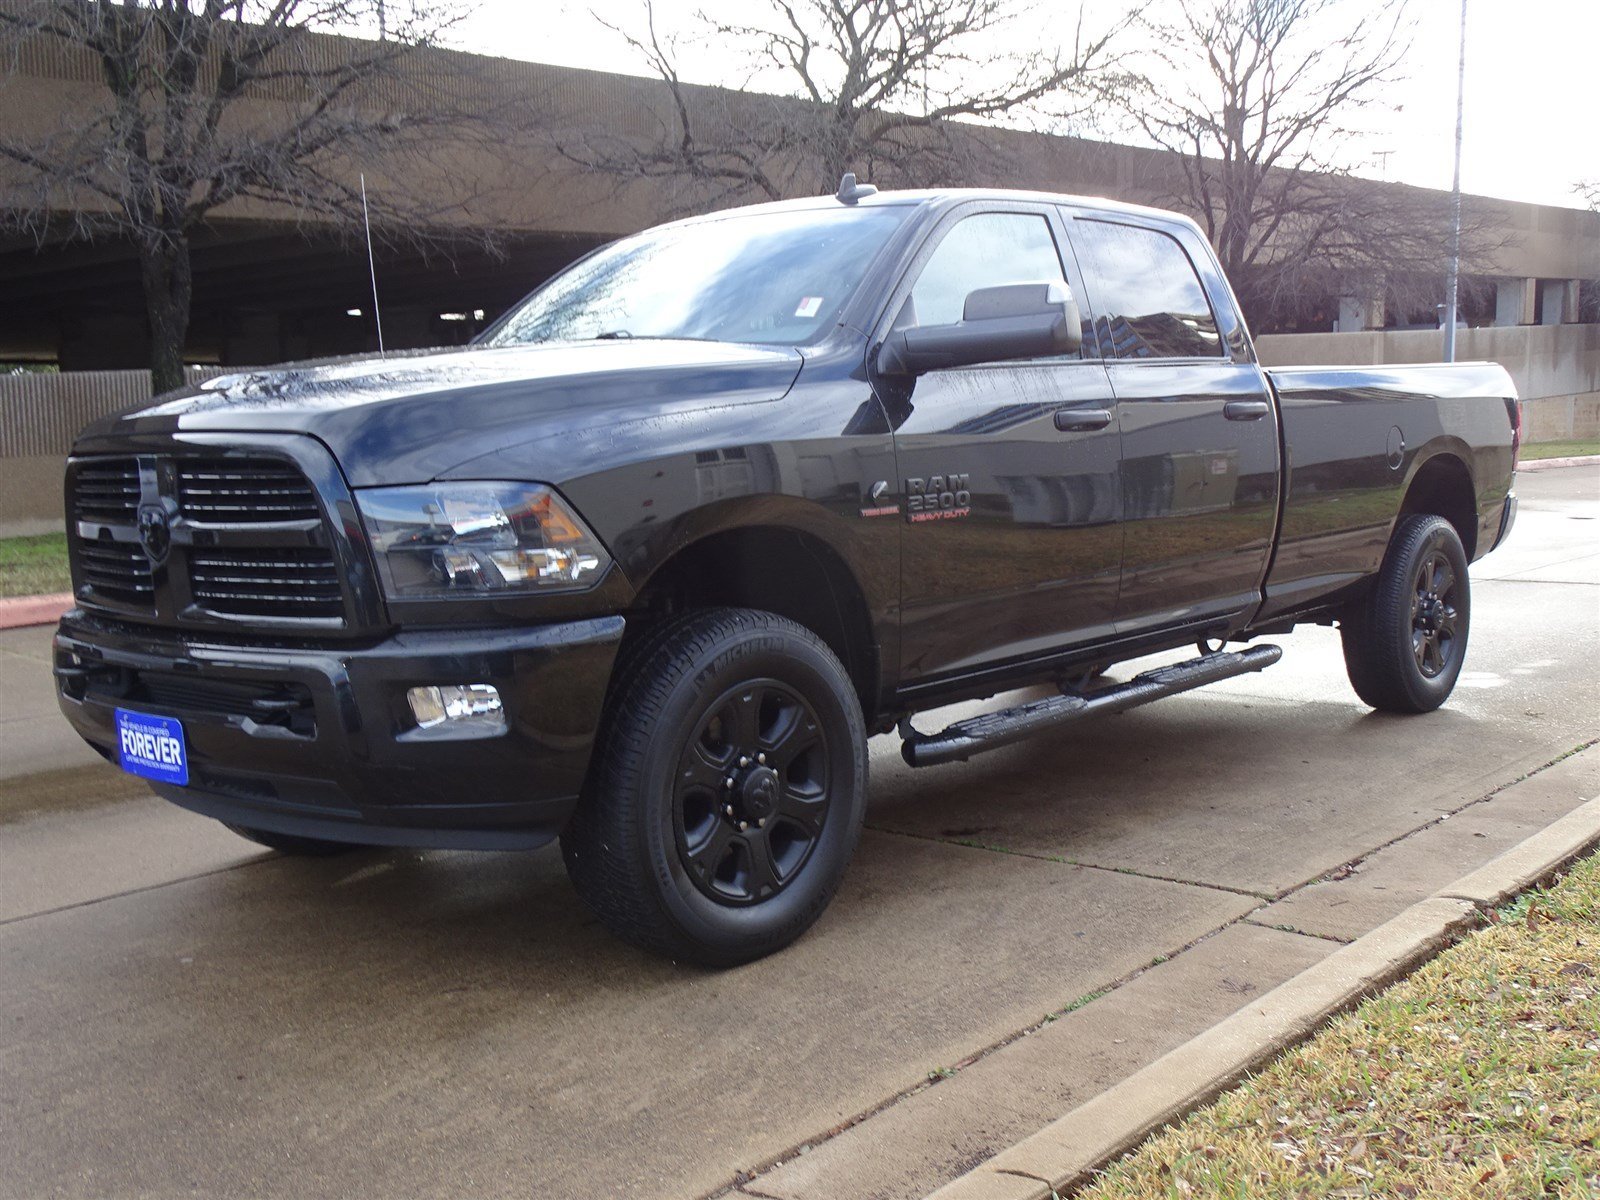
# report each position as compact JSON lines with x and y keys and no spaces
{"x":1295,"y":929}
{"x":1545,"y":582}
{"x":137,"y":891}
{"x":1062,"y":860}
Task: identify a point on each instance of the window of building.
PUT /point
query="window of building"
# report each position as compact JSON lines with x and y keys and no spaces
{"x":1147,"y":298}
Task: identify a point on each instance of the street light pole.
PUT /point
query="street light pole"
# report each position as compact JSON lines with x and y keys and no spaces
{"x":1453,"y":289}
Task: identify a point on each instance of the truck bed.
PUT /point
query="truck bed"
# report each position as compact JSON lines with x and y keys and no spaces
{"x":1354,"y":440}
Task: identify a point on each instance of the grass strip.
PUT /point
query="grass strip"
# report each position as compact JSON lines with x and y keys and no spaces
{"x":1569,"y":449}
{"x":1477,"y":1076}
{"x":30,"y":566}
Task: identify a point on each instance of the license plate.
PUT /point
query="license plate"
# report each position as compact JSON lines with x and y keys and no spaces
{"x":152,"y":747}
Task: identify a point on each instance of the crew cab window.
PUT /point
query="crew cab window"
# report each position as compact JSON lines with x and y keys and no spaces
{"x":1147,"y":298}
{"x":984,"y":250}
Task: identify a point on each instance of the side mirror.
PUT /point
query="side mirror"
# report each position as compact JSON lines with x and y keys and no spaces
{"x":998,"y":324}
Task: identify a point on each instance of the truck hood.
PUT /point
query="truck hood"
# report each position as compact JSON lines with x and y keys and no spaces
{"x":411,"y":417}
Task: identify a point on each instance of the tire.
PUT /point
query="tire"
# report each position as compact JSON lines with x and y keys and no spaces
{"x":1405,"y":643}
{"x":288,"y":843}
{"x":653,"y":848}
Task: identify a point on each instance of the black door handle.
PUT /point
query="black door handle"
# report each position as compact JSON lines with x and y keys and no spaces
{"x":1246,"y":410}
{"x":1082,"y":420}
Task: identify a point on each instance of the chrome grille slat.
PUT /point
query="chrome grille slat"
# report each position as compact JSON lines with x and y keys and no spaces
{"x":271,"y":582}
{"x":118,"y":573}
{"x":107,"y":490}
{"x":242,"y":491}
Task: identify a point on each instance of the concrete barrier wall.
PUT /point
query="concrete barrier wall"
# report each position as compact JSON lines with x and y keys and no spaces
{"x":1556,"y":367}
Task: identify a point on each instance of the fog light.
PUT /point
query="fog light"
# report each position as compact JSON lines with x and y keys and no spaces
{"x":457,"y":710}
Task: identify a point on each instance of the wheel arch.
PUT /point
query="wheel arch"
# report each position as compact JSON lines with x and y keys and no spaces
{"x":1442,"y":485}
{"x":775,"y":567}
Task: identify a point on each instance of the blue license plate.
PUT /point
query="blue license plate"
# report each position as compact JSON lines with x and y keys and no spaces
{"x":152,"y":747}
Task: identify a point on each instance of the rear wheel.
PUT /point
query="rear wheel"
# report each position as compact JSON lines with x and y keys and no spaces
{"x":1405,"y":643}
{"x":288,"y":843}
{"x":727,"y":791}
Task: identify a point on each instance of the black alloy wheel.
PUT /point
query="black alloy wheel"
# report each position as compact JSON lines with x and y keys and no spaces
{"x":752,"y":797}
{"x":1433,"y":615}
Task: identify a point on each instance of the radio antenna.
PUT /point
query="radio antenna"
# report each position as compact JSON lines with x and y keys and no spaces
{"x":372,"y":265}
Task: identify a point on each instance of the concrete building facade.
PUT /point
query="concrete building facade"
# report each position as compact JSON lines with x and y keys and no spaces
{"x":269,"y":287}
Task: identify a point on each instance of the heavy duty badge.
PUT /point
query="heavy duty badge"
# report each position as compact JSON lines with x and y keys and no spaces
{"x":937,"y":498}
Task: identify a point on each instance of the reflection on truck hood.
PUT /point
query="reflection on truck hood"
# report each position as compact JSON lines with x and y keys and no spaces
{"x":408,"y":417}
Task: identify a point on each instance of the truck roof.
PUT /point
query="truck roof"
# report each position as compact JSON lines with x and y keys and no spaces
{"x":932,"y":196}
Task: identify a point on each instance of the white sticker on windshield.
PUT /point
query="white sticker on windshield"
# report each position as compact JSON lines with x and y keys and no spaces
{"x":810,"y":306}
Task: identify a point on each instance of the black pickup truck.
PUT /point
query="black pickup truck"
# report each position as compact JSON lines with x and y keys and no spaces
{"x":644,"y":567}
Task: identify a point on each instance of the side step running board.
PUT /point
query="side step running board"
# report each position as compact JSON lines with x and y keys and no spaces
{"x":992,"y":730}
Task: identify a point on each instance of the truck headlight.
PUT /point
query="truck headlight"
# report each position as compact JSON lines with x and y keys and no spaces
{"x":476,"y":539}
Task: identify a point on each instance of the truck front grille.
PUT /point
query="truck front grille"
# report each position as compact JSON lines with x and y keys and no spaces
{"x":245,"y":538}
{"x":277,"y":583}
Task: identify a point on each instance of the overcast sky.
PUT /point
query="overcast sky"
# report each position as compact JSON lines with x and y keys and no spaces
{"x":1532,"y":94}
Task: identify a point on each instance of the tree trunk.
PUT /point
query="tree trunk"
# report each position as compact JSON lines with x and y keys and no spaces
{"x":166,"y":272}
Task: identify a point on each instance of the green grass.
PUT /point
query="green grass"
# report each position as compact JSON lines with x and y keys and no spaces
{"x":1475,"y":1077}
{"x":31,"y":565}
{"x":1568,"y":449}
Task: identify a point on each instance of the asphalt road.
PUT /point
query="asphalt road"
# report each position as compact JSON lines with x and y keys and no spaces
{"x":181,"y":1014}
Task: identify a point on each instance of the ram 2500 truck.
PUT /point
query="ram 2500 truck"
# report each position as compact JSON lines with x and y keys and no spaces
{"x":644,"y":567}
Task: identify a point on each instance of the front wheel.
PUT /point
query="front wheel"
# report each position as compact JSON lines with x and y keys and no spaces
{"x":727,"y":790}
{"x":1405,"y":643}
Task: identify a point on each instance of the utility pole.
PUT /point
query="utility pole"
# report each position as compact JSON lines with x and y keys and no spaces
{"x":1453,"y":289}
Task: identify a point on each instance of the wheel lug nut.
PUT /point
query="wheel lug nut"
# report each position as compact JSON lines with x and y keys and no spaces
{"x":743,"y":825}
{"x":728,"y":808}
{"x":728,"y":782}
{"x":761,"y":824}
{"x":761,"y":758}
{"x":743,"y":761}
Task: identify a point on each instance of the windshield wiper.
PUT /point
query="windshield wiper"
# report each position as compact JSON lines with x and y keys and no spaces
{"x":613,"y":335}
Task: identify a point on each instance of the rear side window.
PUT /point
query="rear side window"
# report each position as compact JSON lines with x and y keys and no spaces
{"x":982,"y":251}
{"x":1147,"y":298}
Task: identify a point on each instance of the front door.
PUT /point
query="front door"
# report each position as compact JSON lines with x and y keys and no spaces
{"x":1199,"y":476}
{"x":1008,"y":471}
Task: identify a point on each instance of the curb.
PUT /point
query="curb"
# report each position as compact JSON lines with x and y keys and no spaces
{"x":1548,"y":464}
{"x":19,"y":612}
{"x":1065,"y":1154}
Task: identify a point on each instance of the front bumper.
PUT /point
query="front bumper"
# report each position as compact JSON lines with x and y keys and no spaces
{"x":319,"y":742}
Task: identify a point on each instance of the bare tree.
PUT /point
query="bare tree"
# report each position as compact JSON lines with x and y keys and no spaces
{"x":1260,"y":102}
{"x":210,"y":105}
{"x":872,"y":86}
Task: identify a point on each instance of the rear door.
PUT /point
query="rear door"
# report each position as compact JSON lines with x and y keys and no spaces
{"x":1008,"y":470}
{"x":1199,"y":471}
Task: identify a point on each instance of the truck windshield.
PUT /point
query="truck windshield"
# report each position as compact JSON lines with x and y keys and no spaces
{"x":779,"y":277}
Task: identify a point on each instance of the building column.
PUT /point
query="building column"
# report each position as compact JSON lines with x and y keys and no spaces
{"x":1558,"y":301}
{"x":1513,"y":301}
